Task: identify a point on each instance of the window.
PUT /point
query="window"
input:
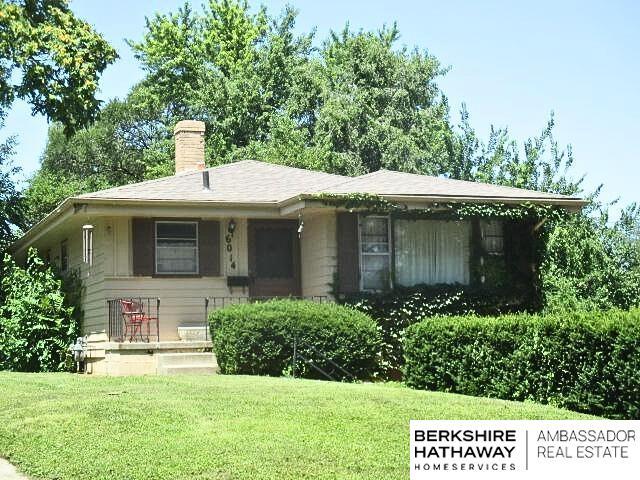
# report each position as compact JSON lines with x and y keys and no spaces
{"x":431,"y":252}
{"x":177,"y":247}
{"x":87,"y":244}
{"x":375,"y":252}
{"x":492,"y":235}
{"x":64,"y":256}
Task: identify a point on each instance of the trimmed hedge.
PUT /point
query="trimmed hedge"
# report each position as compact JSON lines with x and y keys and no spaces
{"x":587,"y":362}
{"x":258,"y":338}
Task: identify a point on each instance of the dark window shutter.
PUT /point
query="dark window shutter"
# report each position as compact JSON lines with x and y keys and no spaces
{"x":348,"y":255}
{"x":143,"y":241}
{"x":209,"y":245}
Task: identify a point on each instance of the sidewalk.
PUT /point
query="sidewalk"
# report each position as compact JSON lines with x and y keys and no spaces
{"x":9,"y":472}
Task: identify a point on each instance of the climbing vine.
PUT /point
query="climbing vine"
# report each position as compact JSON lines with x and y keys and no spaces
{"x":371,"y":203}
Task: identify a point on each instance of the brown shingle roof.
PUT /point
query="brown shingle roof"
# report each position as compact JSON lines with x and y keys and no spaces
{"x":247,"y":181}
{"x":389,"y":183}
{"x":254,"y":182}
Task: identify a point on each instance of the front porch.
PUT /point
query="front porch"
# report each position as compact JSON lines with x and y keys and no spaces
{"x":141,"y":341}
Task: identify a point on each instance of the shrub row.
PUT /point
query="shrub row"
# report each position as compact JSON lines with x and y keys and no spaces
{"x":395,"y":310}
{"x":258,"y":338}
{"x":587,"y":362}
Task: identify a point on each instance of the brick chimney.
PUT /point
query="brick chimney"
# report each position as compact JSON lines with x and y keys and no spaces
{"x":189,"y":138}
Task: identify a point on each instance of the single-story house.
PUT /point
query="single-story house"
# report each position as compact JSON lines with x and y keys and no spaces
{"x":155,"y":256}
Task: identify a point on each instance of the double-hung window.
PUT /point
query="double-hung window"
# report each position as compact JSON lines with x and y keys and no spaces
{"x":176,"y":247}
{"x":375,"y":252}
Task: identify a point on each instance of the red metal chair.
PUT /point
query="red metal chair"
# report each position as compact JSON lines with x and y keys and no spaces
{"x":134,"y":317}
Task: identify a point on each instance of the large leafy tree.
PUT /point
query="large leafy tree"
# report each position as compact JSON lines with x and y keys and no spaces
{"x":52,"y":60}
{"x":10,"y":203}
{"x":55,"y":57}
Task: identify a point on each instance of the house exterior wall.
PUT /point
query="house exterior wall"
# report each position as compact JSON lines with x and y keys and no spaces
{"x":318,"y":250}
{"x":182,"y":300}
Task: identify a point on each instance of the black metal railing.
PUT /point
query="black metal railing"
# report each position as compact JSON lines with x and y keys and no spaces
{"x":134,"y":319}
{"x":332,"y":370}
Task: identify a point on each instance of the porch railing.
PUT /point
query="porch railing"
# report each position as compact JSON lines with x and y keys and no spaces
{"x":134,"y":319}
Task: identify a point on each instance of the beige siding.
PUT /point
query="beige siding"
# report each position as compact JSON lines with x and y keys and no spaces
{"x":182,"y":300}
{"x":318,"y":253}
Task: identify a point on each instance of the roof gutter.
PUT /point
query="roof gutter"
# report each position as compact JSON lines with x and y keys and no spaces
{"x":568,"y":202}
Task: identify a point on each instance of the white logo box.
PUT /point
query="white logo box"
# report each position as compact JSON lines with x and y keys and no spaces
{"x":524,"y":448}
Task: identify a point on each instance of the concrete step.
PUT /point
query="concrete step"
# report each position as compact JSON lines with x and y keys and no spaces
{"x":205,"y":359}
{"x":187,"y":370}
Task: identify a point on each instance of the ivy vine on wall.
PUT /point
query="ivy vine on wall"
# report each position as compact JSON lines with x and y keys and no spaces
{"x":376,"y":204}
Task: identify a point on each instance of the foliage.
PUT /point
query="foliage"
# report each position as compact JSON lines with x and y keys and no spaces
{"x":589,"y":264}
{"x":299,"y":428}
{"x":587,"y":362}
{"x":10,"y":204}
{"x":539,"y":165}
{"x":372,"y":203}
{"x":37,"y":322}
{"x":397,"y":309}
{"x":258,"y":339}
{"x":59,"y":59}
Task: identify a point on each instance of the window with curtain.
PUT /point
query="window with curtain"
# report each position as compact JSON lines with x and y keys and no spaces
{"x":375,"y":252}
{"x":431,"y":251}
{"x":177,"y":247}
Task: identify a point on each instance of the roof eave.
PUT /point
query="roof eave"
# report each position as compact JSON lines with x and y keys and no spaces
{"x":564,"y":202}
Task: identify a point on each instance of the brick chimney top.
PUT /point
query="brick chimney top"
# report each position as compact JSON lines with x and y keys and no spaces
{"x":189,"y":139}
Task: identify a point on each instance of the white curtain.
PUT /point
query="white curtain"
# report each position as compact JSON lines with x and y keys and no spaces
{"x":432,"y":251}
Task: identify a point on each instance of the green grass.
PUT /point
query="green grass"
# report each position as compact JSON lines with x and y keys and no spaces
{"x":67,"y":426}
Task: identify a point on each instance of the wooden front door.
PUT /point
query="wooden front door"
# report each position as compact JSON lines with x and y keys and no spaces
{"x":274,"y":258}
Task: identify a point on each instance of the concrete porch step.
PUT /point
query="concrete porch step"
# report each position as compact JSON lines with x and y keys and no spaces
{"x":186,"y":363}
{"x":186,"y":358}
{"x":187,"y":370}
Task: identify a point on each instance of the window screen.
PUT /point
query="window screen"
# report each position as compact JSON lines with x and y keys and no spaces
{"x":177,"y":247}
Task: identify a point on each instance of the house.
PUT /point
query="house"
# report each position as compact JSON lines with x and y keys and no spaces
{"x":155,"y":256}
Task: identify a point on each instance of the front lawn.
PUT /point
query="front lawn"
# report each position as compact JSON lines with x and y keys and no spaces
{"x":67,"y":426}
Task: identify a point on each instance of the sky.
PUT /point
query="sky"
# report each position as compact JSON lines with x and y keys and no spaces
{"x":512,"y":63}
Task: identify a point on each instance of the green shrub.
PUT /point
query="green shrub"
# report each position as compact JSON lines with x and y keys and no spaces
{"x":395,"y":310}
{"x":587,"y":362}
{"x":258,"y":338}
{"x":37,"y":324}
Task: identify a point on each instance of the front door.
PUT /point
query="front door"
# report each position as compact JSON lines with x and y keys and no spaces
{"x":274,"y":258}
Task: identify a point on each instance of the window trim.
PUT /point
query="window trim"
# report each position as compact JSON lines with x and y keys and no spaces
{"x":87,"y":245}
{"x":389,"y":252}
{"x":155,"y":249}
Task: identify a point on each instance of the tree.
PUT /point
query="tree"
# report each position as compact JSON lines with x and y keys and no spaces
{"x":59,"y":59}
{"x":10,"y":205}
{"x":539,"y":165}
